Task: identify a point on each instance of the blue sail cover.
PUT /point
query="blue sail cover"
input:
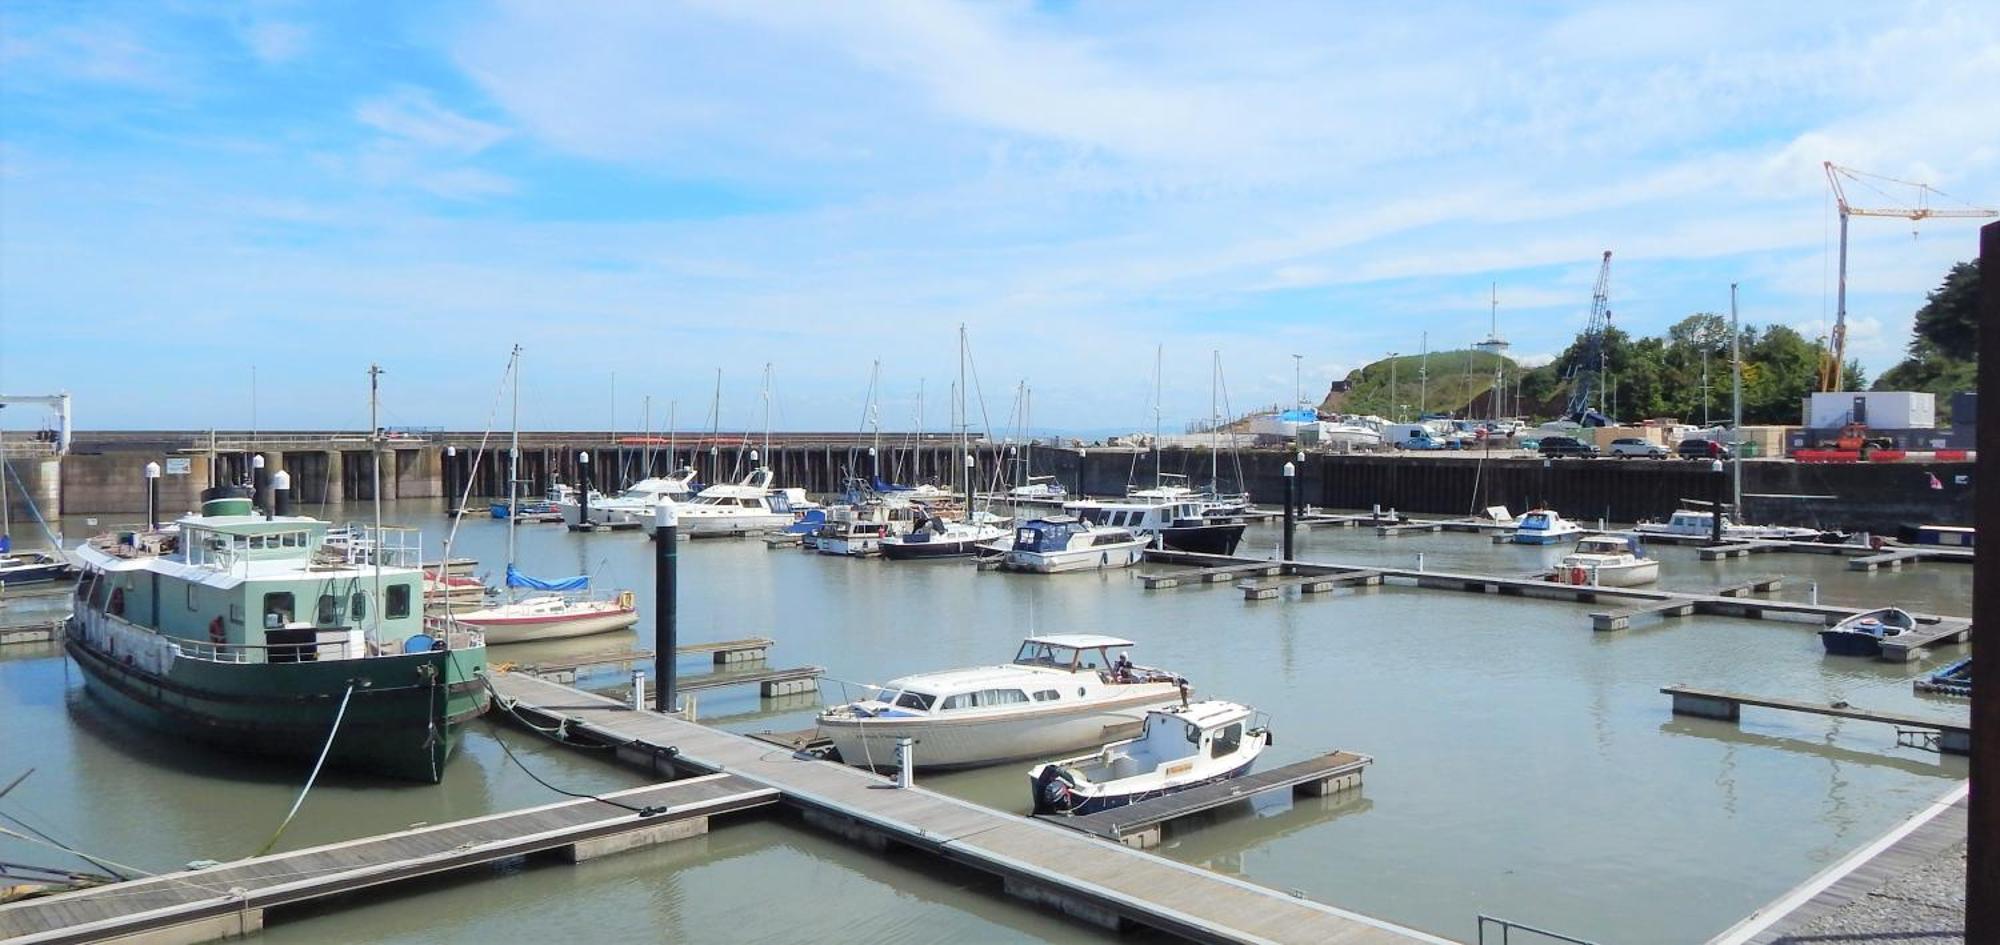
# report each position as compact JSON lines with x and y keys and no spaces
{"x":516,"y":579}
{"x":1299,"y":415}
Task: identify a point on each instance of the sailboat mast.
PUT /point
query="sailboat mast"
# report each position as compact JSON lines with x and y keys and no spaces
{"x":767,"y":411}
{"x":1158,"y":351}
{"x":646,"y":440}
{"x":673,"y":436}
{"x":964,"y":428}
{"x":6,"y":526}
{"x":875,"y":421}
{"x":917,"y":474}
{"x":514,"y":464}
{"x":375,"y":452}
{"x":1214,"y":427}
{"x":618,"y":457}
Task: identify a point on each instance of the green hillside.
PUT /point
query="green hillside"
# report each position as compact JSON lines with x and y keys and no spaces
{"x":1456,"y":379}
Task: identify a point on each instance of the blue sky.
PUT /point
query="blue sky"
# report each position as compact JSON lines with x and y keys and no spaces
{"x":654,"y":190}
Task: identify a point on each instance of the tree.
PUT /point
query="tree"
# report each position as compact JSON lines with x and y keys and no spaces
{"x":1944,"y":341}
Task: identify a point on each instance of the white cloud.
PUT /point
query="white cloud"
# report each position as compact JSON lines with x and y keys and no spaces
{"x":413,"y":115}
{"x":274,"y":42}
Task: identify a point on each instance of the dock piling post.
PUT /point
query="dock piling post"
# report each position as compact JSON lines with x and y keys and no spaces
{"x":666,"y":615}
{"x":152,"y":495}
{"x":1812,"y":593}
{"x":906,"y":761}
{"x":1420,"y":562}
{"x":281,"y":492}
{"x":638,"y":689}
{"x":582,"y":490}
{"x":1291,"y":512}
{"x":451,"y":502}
{"x":260,"y":484}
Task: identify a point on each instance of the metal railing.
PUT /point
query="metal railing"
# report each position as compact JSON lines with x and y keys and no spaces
{"x":258,"y":653}
{"x":1507,"y":927}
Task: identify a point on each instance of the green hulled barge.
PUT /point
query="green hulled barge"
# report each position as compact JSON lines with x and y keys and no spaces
{"x":255,"y":633}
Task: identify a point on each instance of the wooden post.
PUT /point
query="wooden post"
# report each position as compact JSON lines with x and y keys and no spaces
{"x":1982,"y":867}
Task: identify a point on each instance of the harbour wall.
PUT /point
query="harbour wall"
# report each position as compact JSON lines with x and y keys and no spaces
{"x":1876,"y":497}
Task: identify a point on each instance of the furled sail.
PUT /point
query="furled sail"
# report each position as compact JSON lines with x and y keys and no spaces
{"x":516,"y":579}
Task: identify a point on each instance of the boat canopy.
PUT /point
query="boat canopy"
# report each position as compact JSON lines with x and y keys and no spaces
{"x":516,"y":579}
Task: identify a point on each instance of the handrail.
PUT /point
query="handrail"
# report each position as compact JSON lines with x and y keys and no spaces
{"x":1506,"y":926}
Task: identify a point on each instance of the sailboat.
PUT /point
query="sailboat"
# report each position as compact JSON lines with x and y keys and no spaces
{"x":25,"y":567}
{"x":552,"y":609}
{"x":1169,"y":512}
{"x":934,"y":536}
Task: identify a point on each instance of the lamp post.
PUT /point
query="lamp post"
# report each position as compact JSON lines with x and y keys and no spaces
{"x":152,"y":495}
{"x":1291,"y":489}
{"x":1715,"y":520}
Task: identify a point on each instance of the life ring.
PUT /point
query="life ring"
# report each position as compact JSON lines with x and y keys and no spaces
{"x":116,"y":607}
{"x":216,"y":634}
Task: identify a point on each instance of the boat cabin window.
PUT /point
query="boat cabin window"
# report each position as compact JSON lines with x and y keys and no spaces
{"x":279,"y":606}
{"x":984,"y":698}
{"x":1036,"y":653}
{"x":357,"y":605}
{"x":1047,"y":695}
{"x":1112,"y":538}
{"x":329,"y":610}
{"x":1226,"y":741}
{"x":399,"y":601}
{"x":921,"y":701}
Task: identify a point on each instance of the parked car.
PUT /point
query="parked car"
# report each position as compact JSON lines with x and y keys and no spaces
{"x":1626,"y":446}
{"x":1419,"y":441}
{"x":1554,"y":446}
{"x":1702,"y":449}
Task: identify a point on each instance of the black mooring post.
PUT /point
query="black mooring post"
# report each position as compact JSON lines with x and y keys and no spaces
{"x":451,"y":487}
{"x":1291,"y":511}
{"x":666,"y":617}
{"x":260,"y":484}
{"x":1982,"y":859}
{"x":281,"y":493}
{"x":583,"y":491}
{"x":1715,"y":520}
{"x":152,"y":496}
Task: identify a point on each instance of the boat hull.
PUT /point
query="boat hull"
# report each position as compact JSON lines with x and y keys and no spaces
{"x":1112,"y":800}
{"x":1543,"y":538}
{"x":402,"y":721}
{"x":35,"y":573}
{"x":917,"y":550}
{"x":1619,"y":575}
{"x":707,"y":526}
{"x":1021,"y":736}
{"x":1218,"y":538}
{"x":1849,"y":643}
{"x":504,"y":630}
{"x":1121,"y":555}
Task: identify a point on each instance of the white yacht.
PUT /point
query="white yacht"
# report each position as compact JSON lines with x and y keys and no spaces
{"x":1180,"y":523}
{"x":1047,"y":546}
{"x":933,"y":536}
{"x":1544,"y":527}
{"x":1182,"y":747}
{"x":1042,"y":489}
{"x":636,"y":503}
{"x":1687,"y":523}
{"x":739,"y":508}
{"x":1062,"y":693}
{"x":1607,"y":561}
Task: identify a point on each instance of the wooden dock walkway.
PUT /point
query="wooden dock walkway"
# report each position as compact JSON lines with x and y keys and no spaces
{"x":1317,"y":582}
{"x":1089,"y":879}
{"x":230,"y":899}
{"x":1909,"y":647}
{"x":1207,"y":575}
{"x":1917,"y":841}
{"x":1142,"y":824}
{"x":1951,"y":738}
{"x":725,"y":652}
{"x":44,"y":629}
{"x":1729,"y":601}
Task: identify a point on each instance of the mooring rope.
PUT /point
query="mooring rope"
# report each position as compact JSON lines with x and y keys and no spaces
{"x":324,"y":750}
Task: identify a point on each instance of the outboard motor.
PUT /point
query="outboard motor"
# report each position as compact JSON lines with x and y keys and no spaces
{"x":1055,"y":791}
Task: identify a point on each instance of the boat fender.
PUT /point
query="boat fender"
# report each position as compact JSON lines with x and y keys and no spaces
{"x":216,"y":634}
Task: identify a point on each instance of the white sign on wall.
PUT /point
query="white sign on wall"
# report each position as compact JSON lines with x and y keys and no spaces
{"x":179,"y":465}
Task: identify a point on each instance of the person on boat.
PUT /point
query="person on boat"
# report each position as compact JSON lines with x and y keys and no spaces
{"x":1121,"y":669}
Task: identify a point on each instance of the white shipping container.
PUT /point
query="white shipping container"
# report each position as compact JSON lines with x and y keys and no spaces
{"x":1882,"y":410}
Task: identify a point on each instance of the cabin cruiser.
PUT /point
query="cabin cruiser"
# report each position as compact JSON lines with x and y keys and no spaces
{"x":1544,"y":527}
{"x":1687,"y":523}
{"x":1038,"y":489}
{"x":933,"y":536}
{"x":857,"y":530}
{"x":1179,"y":524}
{"x":1051,"y":545}
{"x":1181,"y":747}
{"x":636,"y":503}
{"x":1862,"y":634}
{"x":737,"y":508}
{"x":1171,"y":487}
{"x":1062,"y":693}
{"x":1607,"y":561}
{"x":552,"y":610}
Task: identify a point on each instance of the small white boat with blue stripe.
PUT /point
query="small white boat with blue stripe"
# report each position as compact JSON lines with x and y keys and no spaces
{"x":1181,"y":747}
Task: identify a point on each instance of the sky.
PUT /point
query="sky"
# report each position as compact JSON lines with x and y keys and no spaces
{"x":642,"y":193}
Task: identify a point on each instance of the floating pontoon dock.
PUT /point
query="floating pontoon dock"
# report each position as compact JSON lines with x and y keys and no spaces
{"x":1141,"y":824}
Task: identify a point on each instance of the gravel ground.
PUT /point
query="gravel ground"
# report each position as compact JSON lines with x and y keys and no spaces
{"x":1925,"y":906}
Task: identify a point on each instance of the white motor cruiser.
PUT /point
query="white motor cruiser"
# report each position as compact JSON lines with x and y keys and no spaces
{"x":1544,"y":527}
{"x":1062,"y":693}
{"x":857,"y":530}
{"x":636,"y":503}
{"x":739,"y":508}
{"x":1687,"y":523}
{"x":1048,"y":546}
{"x":1182,"y":747}
{"x":1607,"y":561}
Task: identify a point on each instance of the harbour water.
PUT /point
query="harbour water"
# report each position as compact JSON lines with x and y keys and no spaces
{"x":1525,"y":766}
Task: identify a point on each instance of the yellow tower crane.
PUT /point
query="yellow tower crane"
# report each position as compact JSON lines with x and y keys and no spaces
{"x":1833,"y":361}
